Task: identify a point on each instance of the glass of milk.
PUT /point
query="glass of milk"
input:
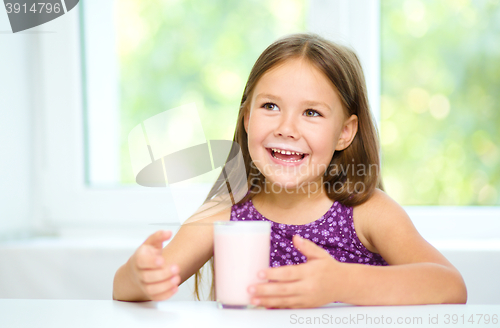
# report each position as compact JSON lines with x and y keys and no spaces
{"x":241,"y":250}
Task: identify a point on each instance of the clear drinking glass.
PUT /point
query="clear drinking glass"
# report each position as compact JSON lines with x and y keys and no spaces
{"x":241,"y":250}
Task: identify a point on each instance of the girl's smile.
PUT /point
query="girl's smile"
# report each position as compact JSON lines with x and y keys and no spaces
{"x":295,"y":123}
{"x":284,"y":156}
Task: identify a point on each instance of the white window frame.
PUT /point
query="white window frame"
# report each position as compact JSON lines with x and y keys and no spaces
{"x":349,"y":22}
{"x":62,"y":198}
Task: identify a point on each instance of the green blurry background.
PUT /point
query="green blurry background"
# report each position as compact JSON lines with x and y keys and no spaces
{"x":180,"y":51}
{"x":440,"y":82}
{"x":440,"y":110}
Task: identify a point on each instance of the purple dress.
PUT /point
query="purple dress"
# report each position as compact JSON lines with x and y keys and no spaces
{"x":334,"y":232}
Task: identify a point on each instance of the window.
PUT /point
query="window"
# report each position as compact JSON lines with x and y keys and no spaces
{"x":141,"y":64}
{"x":440,"y":81}
{"x":77,"y":191}
{"x":166,"y":54}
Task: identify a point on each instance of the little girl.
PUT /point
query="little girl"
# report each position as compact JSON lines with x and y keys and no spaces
{"x":311,"y":154}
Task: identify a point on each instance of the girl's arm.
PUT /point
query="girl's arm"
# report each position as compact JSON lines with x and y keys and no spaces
{"x":417,"y":272}
{"x":148,"y":274}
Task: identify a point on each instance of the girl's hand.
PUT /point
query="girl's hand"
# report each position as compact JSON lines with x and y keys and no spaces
{"x":314,"y":283}
{"x":156,"y":280}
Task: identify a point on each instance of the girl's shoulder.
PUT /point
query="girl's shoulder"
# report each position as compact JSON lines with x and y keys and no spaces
{"x":209,"y":212}
{"x":373,"y":213}
{"x":389,"y":230}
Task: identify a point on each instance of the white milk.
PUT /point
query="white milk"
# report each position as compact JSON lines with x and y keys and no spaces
{"x":241,"y":250}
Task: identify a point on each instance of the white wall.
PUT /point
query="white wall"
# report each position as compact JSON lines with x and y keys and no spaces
{"x":480,"y":269}
{"x":16,"y":105}
{"x":84,"y":269}
{"x":68,"y":268}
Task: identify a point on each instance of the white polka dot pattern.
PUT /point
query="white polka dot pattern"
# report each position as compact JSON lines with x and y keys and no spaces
{"x":334,"y":232}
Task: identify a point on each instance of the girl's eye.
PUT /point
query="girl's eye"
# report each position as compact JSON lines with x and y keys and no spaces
{"x":311,"y":113}
{"x":270,"y":106}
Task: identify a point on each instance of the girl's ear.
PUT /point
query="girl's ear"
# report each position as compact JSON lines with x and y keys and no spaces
{"x":348,"y":132}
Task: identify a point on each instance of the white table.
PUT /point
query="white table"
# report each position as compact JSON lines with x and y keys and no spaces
{"x":98,"y":313}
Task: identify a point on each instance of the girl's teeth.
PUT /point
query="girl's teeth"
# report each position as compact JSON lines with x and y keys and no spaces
{"x":286,"y":152}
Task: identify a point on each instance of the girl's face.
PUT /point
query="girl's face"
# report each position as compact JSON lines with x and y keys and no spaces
{"x":295,"y":124}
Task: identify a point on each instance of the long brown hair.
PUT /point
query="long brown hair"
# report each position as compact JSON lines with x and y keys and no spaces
{"x":343,"y":68}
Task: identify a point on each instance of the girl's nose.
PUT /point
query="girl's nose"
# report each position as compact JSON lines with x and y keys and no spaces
{"x":287,"y":127}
